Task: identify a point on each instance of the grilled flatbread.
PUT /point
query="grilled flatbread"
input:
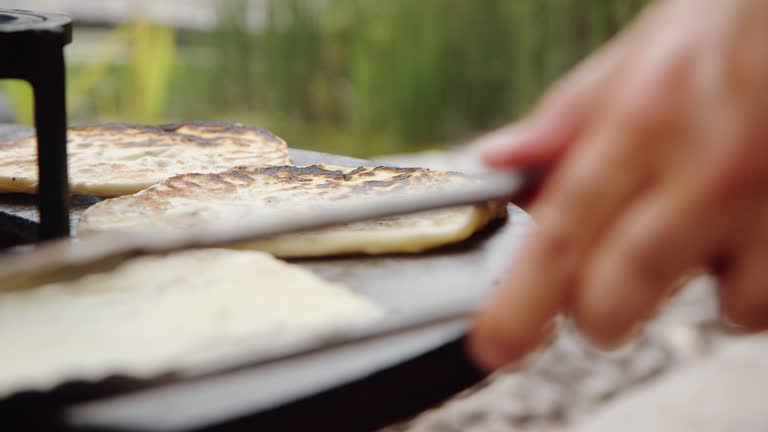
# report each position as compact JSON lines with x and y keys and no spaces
{"x":120,"y":159}
{"x":195,"y":198}
{"x":154,"y":314}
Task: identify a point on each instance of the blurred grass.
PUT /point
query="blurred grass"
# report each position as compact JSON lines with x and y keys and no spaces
{"x":359,"y":77}
{"x":19,"y":94}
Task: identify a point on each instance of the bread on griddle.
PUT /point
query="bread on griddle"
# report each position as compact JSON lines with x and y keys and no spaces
{"x":155,"y":314}
{"x":196,"y":198}
{"x":120,"y":159}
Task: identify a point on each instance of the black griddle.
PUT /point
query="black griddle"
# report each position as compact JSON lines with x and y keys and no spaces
{"x":368,"y":387}
{"x":360,"y":387}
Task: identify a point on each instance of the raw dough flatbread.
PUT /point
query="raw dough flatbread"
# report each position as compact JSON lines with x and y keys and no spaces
{"x":120,"y":159}
{"x":154,"y":314}
{"x":194,"y":198}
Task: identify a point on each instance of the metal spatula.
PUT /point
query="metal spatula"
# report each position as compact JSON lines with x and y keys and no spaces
{"x":62,"y":256}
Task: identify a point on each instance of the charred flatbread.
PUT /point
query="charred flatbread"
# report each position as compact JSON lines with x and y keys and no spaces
{"x":196,"y":198}
{"x":154,"y":314}
{"x":120,"y":159}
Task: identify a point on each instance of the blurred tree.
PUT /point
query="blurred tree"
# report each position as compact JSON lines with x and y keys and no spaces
{"x":293,"y":56}
{"x":152,"y":60}
{"x":431,"y":69}
{"x":345,"y":75}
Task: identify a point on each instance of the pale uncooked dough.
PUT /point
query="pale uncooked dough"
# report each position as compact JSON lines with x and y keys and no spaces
{"x":153,"y":314}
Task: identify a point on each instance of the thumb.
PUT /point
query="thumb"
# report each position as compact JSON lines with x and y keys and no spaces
{"x":529,"y":143}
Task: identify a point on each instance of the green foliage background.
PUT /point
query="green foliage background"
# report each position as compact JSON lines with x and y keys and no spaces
{"x":359,"y":77}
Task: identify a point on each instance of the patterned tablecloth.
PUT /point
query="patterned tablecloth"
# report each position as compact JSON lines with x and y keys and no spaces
{"x":568,"y":382}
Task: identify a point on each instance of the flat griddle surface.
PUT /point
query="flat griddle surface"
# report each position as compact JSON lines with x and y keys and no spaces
{"x":404,"y":285}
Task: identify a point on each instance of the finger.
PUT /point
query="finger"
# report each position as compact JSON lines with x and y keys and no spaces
{"x":744,"y":288}
{"x":577,"y":204}
{"x":557,"y":120}
{"x":657,"y":241}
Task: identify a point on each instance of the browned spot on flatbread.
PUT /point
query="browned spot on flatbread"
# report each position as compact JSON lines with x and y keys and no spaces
{"x":241,"y":175}
{"x":218,"y":179}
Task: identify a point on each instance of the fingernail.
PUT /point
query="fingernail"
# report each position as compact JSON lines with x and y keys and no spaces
{"x":633,"y":332}
{"x":614,"y":343}
{"x":746,"y":323}
{"x":492,"y":353}
{"x":501,"y":140}
{"x":487,"y":356}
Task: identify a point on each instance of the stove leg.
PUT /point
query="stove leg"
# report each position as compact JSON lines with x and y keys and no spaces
{"x":51,"y":126}
{"x":33,"y":44}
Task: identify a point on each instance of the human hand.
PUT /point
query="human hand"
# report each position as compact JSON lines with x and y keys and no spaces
{"x":657,"y":149}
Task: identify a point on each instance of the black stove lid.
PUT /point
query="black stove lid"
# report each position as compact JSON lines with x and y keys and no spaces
{"x":14,"y":20}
